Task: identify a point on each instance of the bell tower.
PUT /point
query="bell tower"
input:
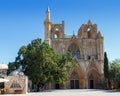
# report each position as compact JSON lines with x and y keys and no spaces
{"x":47,"y":27}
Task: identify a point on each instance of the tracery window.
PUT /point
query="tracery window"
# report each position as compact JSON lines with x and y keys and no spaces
{"x":74,"y":49}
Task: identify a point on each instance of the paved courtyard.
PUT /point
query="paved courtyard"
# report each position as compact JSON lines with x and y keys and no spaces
{"x":76,"y":92}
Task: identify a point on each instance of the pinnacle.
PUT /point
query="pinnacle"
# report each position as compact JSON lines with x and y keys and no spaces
{"x":89,"y":22}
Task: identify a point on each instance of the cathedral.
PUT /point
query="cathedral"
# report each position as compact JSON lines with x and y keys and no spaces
{"x":87,"y":48}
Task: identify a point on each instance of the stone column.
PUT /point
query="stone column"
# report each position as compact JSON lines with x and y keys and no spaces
{"x":86,"y":83}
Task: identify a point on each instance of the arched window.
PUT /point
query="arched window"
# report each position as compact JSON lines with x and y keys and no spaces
{"x":56,"y":29}
{"x":74,"y":49}
{"x":55,"y":36}
{"x":88,"y":29}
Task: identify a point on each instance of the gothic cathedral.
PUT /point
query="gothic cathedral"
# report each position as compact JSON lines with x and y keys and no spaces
{"x":87,"y":49}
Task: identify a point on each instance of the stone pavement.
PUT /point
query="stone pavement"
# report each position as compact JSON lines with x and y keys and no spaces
{"x":68,"y":92}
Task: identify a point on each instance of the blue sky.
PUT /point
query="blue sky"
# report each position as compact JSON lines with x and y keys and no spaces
{"x":22,"y":21}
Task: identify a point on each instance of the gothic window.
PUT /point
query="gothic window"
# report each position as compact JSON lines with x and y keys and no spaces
{"x":89,"y":33}
{"x":56,"y":29}
{"x":15,"y":85}
{"x":74,"y":49}
{"x":55,"y":36}
{"x":88,"y":29}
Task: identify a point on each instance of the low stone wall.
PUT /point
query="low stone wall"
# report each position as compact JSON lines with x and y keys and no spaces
{"x":16,"y":84}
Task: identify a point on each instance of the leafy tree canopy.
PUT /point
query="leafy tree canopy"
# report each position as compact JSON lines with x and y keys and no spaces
{"x":114,"y":68}
{"x":115,"y":73}
{"x":41,"y":64}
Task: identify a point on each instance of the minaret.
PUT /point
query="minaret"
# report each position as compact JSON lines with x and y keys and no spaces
{"x":47,"y":27}
{"x":48,"y":14}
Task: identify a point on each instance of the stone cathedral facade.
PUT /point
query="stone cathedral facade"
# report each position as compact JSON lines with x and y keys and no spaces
{"x":87,"y":48}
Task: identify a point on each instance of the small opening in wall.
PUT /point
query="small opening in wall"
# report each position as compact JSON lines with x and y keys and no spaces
{"x":88,"y":29}
{"x":56,"y":29}
{"x":55,"y":36}
{"x":88,"y":57}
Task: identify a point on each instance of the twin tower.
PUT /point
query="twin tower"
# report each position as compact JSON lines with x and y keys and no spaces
{"x":87,"y":48}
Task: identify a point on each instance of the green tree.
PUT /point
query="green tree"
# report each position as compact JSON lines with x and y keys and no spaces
{"x":106,"y":67}
{"x":115,"y":72}
{"x":42,"y":65}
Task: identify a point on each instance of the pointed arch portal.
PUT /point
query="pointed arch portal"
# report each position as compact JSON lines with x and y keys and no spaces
{"x":74,"y":80}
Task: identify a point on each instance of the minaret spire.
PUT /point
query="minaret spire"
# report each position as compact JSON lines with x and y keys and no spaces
{"x":48,"y":13}
{"x":48,"y":9}
{"x":47,"y":26}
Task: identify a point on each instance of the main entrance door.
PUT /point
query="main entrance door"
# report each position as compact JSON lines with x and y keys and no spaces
{"x":74,"y":80}
{"x":91,"y":84}
{"x":74,"y":84}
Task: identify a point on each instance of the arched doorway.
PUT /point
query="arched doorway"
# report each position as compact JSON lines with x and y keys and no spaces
{"x":91,"y":82}
{"x":74,"y":81}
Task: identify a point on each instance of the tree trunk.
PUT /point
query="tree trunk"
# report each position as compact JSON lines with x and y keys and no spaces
{"x":49,"y":85}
